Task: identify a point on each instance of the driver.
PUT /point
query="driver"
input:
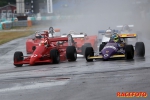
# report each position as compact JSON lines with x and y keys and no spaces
{"x":116,"y":38}
{"x":38,"y":36}
{"x":60,"y":43}
{"x":108,"y":33}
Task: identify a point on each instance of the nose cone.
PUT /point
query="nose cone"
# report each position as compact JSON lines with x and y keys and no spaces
{"x":107,"y":53}
{"x":33,"y":59}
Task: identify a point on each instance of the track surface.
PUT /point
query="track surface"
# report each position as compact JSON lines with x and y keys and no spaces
{"x":78,"y":80}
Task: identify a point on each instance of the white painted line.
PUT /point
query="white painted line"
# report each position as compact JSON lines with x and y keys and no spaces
{"x":34,"y":86}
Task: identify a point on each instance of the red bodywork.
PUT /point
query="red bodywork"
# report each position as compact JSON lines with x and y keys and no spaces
{"x":31,"y":42}
{"x":42,"y":53}
{"x":87,"y":39}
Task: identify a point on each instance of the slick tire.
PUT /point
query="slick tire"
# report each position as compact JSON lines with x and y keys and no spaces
{"x":54,"y":55}
{"x":71,"y":53}
{"x":84,"y":47}
{"x":129,"y":52}
{"x":18,"y":56}
{"x":89,"y":52}
{"x":101,"y":46}
{"x":140,"y":49}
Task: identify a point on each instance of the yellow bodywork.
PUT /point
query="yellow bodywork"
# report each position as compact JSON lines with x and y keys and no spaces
{"x":127,"y":35}
{"x":100,"y":56}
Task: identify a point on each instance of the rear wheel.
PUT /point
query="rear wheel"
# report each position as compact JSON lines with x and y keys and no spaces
{"x":54,"y":55}
{"x":140,"y":49}
{"x":71,"y":53}
{"x":89,"y":52}
{"x":129,"y":52}
{"x":18,"y":56}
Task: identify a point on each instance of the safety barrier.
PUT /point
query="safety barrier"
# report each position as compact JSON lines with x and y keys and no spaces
{"x":1,"y":26}
{"x":33,"y":21}
{"x":9,"y":25}
{"x":55,"y":17}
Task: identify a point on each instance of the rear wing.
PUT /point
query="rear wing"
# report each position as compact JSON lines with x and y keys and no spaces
{"x":104,"y":31}
{"x":131,"y":35}
{"x":124,"y":25}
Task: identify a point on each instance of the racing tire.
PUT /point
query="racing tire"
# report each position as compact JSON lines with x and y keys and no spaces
{"x":101,"y":46}
{"x":84,"y":47}
{"x":18,"y":56}
{"x":89,"y":52}
{"x":140,"y":49}
{"x":54,"y":55}
{"x":129,"y":52}
{"x":71,"y":53}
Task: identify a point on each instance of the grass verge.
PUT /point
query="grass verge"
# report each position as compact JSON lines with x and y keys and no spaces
{"x":11,"y":35}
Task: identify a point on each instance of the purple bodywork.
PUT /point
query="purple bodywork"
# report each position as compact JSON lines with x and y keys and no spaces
{"x":109,"y":50}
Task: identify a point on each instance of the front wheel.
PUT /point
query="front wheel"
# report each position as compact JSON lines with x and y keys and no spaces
{"x":71,"y":53}
{"x":54,"y":55}
{"x":89,"y":52}
{"x":129,"y":52}
{"x":101,"y":46}
{"x":18,"y":56}
{"x":84,"y":47}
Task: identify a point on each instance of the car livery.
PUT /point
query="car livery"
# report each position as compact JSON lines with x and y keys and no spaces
{"x":50,"y":50}
{"x":82,"y":40}
{"x":32,"y":43}
{"x":117,"y":50}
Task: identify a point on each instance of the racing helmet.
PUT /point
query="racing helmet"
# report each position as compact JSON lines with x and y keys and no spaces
{"x":38,"y":35}
{"x":115,"y":37}
{"x":108,"y":31}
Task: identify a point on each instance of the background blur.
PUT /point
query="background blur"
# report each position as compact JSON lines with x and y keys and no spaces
{"x":89,"y":15}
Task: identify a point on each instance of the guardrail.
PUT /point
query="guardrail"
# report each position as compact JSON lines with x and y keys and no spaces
{"x":33,"y":20}
{"x":10,"y":24}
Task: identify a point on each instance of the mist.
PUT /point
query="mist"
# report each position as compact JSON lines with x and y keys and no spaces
{"x":98,"y":15}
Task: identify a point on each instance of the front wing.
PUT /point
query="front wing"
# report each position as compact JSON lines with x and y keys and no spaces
{"x":100,"y":56}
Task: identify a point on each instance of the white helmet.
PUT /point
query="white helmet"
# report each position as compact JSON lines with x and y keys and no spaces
{"x":108,"y":31}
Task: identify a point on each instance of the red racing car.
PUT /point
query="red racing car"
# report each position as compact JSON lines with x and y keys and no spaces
{"x":82,"y":41}
{"x":50,"y":50}
{"x":32,"y":43}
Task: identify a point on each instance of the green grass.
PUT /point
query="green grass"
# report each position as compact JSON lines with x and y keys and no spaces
{"x":11,"y":35}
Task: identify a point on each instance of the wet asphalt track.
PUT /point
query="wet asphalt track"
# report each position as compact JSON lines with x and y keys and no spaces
{"x":78,"y":80}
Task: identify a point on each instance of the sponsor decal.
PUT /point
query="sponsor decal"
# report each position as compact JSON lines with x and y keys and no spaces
{"x":131,"y":94}
{"x":110,"y":47}
{"x":107,"y":51}
{"x":34,"y":56}
{"x":105,"y":55}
